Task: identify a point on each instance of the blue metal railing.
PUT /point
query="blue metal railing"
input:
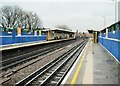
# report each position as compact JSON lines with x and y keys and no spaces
{"x":112,"y":43}
{"x":12,"y":38}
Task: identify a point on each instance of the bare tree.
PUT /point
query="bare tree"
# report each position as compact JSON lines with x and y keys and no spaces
{"x":17,"y":17}
{"x":14,"y":16}
{"x":10,"y":16}
{"x":6,"y":14}
{"x":2,"y":22}
{"x":22,"y":19}
{"x":29,"y":20}
{"x":37,"y":21}
{"x":33,"y":21}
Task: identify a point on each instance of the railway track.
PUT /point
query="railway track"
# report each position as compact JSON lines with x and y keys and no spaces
{"x":53,"y":72}
{"x":13,"y":62}
{"x":7,"y":54}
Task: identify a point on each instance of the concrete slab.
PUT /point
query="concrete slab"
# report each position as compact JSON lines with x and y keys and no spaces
{"x":18,"y":45}
{"x":98,"y":67}
{"x":88,"y":76}
{"x":76,"y":73}
{"x":105,"y":68}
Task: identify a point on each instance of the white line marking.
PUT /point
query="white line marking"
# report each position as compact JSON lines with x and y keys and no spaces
{"x":68,"y":74}
{"x":113,"y":39}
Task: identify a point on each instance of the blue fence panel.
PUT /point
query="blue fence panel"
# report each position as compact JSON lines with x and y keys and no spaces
{"x":119,"y":51}
{"x":6,"y":40}
{"x":119,"y":34}
{"x":27,"y":33}
{"x":109,"y":35}
{"x":43,"y":37}
{"x":103,"y":35}
{"x":11,"y":39}
{"x":114,"y":34}
{"x":5,"y":33}
{"x":18,"y":40}
{"x":112,"y":46}
{"x":24,"y":33}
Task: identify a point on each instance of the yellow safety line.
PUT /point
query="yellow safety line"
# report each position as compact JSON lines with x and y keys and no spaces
{"x":78,"y":70}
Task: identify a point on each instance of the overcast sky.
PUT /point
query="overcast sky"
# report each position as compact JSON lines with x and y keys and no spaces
{"x":77,"y":14}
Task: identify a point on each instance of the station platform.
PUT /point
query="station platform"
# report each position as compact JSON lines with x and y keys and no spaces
{"x":94,"y":66}
{"x":18,"y":45}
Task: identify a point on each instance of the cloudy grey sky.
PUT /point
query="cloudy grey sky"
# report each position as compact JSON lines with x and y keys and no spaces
{"x":77,"y":14}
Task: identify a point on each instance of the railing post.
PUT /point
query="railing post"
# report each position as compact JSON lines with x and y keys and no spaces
{"x":13,"y":36}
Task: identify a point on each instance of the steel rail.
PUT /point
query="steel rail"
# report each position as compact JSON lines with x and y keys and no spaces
{"x":27,"y":80}
{"x":50,"y":80}
{"x":7,"y":61}
{"x":29,"y":56}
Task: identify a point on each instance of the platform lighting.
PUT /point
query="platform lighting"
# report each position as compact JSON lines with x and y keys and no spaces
{"x":104,"y":21}
{"x":115,"y":1}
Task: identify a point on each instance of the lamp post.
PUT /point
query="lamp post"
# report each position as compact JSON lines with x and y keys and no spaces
{"x":115,"y":1}
{"x":104,"y":21}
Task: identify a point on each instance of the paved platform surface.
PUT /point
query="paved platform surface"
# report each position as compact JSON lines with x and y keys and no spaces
{"x":18,"y":45}
{"x":94,"y":66}
{"x":105,"y":68}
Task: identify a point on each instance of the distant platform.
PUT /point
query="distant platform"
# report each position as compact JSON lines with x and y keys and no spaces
{"x":18,"y":45}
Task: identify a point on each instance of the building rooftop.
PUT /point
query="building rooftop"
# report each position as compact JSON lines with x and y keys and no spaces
{"x":58,"y":29}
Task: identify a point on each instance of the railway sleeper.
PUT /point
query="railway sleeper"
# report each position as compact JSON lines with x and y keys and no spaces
{"x":58,"y":67}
